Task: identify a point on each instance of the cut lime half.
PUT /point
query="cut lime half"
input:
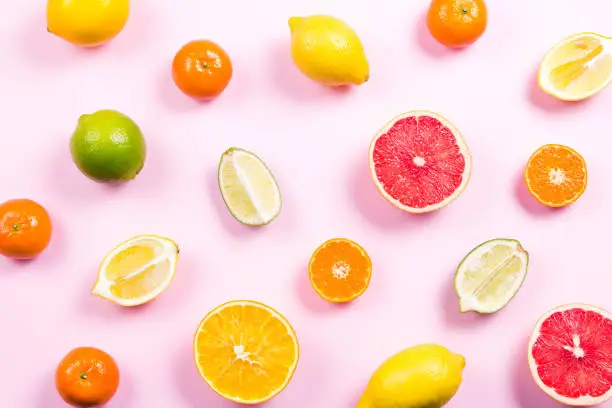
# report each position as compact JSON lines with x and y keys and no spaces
{"x":490,"y":275}
{"x":248,"y":188}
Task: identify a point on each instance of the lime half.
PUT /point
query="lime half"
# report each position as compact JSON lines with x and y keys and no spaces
{"x":249,"y":189}
{"x":490,"y":275}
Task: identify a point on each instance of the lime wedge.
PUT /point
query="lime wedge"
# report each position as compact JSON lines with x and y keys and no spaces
{"x":249,"y":189}
{"x":490,"y":275}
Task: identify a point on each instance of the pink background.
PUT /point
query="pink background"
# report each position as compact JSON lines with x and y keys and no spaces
{"x":316,"y":141}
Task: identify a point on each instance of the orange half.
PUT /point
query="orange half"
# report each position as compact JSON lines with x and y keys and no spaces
{"x":556,"y":175}
{"x":246,"y":351}
{"x":340,"y":270}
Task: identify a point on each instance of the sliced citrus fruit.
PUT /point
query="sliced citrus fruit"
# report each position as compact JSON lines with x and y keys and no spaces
{"x":249,"y":189}
{"x":577,"y":67}
{"x":137,"y":270}
{"x":556,"y":175}
{"x":340,"y":270}
{"x":420,"y":162}
{"x":570,"y":354}
{"x":490,"y":275}
{"x":246,"y":351}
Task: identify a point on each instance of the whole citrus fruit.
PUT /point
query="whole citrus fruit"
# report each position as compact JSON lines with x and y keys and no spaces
{"x":87,"y":23}
{"x":328,"y":50}
{"x":87,"y":377}
{"x":25,"y":229}
{"x":457,"y":23}
{"x":201,"y":69}
{"x":107,"y":146}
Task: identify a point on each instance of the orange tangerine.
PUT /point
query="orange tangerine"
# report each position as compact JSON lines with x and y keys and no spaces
{"x":246,"y":351}
{"x":340,"y":270}
{"x":556,"y":175}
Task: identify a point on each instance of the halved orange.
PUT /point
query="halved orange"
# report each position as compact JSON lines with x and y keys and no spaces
{"x":340,"y":270}
{"x":577,"y":67}
{"x":556,"y":175}
{"x":246,"y":351}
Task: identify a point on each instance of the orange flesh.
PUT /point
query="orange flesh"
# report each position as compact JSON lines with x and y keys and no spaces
{"x":246,"y":352}
{"x":556,"y":175}
{"x":340,"y":270}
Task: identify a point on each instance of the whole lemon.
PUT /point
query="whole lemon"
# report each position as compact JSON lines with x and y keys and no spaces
{"x":328,"y":51}
{"x":87,"y":23}
{"x":424,"y":376}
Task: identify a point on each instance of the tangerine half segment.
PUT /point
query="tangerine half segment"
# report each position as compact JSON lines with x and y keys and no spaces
{"x":556,"y":175}
{"x":246,"y":351}
{"x":340,"y":270}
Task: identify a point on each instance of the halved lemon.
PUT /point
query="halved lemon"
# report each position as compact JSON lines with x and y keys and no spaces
{"x":137,"y":270}
{"x":248,"y":187}
{"x":577,"y":67}
{"x":246,"y":351}
{"x":490,"y":275}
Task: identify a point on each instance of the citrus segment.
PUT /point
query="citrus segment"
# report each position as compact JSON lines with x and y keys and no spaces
{"x":419,"y":162}
{"x":570,"y":354}
{"x":489,"y":276}
{"x":577,"y":67}
{"x":137,"y":271}
{"x":556,"y":175}
{"x":246,"y":351}
{"x":340,"y":270}
{"x":249,"y":189}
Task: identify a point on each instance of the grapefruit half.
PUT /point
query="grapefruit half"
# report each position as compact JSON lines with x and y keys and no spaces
{"x":420,"y":162}
{"x":570,"y":354}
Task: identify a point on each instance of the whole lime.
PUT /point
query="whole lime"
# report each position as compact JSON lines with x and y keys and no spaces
{"x":107,"y":146}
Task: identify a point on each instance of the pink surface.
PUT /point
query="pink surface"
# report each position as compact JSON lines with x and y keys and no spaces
{"x":316,"y":141}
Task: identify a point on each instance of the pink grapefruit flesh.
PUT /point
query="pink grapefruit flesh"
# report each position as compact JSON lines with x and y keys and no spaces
{"x":570,"y":354}
{"x":420,"y":162}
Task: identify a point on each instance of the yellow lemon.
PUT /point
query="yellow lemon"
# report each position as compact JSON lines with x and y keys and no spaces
{"x":427,"y":375}
{"x":577,"y":67}
{"x":328,"y":51}
{"x":87,"y":23}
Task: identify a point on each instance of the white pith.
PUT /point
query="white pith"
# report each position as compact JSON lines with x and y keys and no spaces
{"x":169,"y":253}
{"x":263,"y":217}
{"x":543,"y":71}
{"x":469,"y":301}
{"x":583,"y":401}
{"x":462,"y":148}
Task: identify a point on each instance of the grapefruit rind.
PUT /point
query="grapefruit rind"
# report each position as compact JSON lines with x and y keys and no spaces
{"x":353,"y":296}
{"x":545,"y":68}
{"x":260,"y":219}
{"x":170,"y":251}
{"x":531,"y":189}
{"x":273,"y":312}
{"x":467,"y":302}
{"x":462,"y":147}
{"x":583,"y":401}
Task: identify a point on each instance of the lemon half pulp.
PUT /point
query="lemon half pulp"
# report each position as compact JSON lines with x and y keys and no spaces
{"x":577,"y":67}
{"x":137,"y":271}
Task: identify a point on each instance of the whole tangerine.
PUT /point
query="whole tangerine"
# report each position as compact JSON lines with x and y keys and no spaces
{"x":457,"y":23}
{"x":202,"y":69}
{"x":25,"y":229}
{"x":87,"y":377}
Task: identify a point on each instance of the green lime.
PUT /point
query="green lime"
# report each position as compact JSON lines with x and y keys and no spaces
{"x":107,"y":146}
{"x":490,"y":275}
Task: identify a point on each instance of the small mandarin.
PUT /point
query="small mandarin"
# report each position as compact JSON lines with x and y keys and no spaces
{"x":25,"y":229}
{"x":87,"y":377}
{"x":202,"y":69}
{"x":457,"y":23}
{"x":340,"y":270}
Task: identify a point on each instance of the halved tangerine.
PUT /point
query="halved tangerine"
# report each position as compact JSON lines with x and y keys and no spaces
{"x":246,"y":351}
{"x":556,"y":175}
{"x":340,"y":270}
